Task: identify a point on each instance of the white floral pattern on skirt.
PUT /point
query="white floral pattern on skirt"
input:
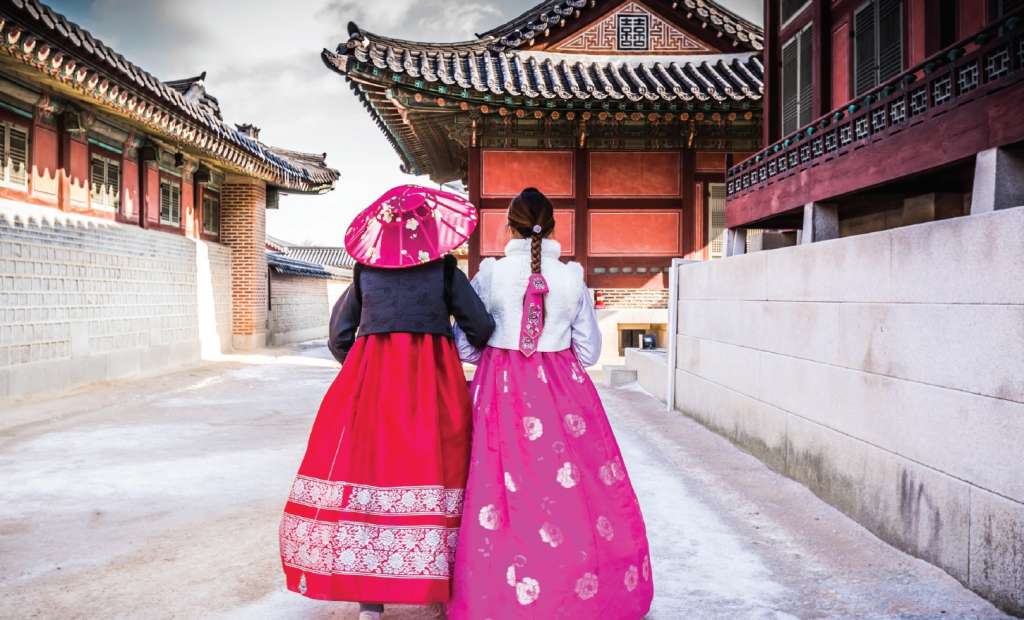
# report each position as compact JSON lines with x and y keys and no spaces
{"x":365,"y":499}
{"x":352,"y":548}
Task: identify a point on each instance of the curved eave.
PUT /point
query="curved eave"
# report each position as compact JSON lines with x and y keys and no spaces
{"x":339,"y":63}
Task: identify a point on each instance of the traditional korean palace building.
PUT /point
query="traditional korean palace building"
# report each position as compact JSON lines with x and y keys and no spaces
{"x":625,"y":113}
{"x":132,"y":215}
{"x":883,"y":113}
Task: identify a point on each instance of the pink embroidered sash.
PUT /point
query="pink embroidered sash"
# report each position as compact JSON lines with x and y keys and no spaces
{"x":533,"y":314}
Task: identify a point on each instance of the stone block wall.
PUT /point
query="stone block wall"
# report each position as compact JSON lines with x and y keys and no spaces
{"x":884,"y":371}
{"x":300,"y":308}
{"x":85,"y":300}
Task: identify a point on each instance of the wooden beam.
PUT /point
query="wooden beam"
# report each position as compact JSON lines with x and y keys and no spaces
{"x":771,"y":120}
{"x":582,"y":180}
{"x":474,"y":197}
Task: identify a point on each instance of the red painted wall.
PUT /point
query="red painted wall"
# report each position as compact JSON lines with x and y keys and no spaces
{"x":506,"y":173}
{"x":971,"y":14}
{"x":616,"y":174}
{"x":841,"y":63}
{"x":635,"y":232}
{"x":130,"y":205}
{"x":152,"y":194}
{"x":78,"y":174}
{"x":45,"y":181}
{"x":494,"y":232}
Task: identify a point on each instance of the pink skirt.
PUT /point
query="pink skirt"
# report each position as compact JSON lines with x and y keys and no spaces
{"x":552,"y":526}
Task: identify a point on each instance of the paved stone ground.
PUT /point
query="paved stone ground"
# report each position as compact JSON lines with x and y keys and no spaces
{"x":160,"y":498}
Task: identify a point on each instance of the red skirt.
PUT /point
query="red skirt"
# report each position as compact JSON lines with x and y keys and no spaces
{"x":374,"y":512}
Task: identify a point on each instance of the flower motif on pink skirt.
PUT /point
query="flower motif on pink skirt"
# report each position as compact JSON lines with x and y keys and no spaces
{"x":532,"y":428}
{"x":605,"y":529}
{"x":489,"y":517}
{"x":586,"y":586}
{"x":510,"y":575}
{"x":645,"y":568}
{"x":618,"y":470}
{"x":631,"y":578}
{"x":510,"y":484}
{"x":575,"y":424}
{"x":551,"y":534}
{"x":527,"y":590}
{"x":605,"y":474}
{"x":568,"y":475}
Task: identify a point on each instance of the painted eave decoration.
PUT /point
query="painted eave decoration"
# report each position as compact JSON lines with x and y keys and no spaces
{"x":413,"y":90}
{"x":67,"y":58}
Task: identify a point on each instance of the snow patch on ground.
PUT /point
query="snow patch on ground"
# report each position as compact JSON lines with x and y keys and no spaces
{"x":696,"y":555}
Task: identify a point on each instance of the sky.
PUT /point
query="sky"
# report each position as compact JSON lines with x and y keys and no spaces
{"x":262,"y":59}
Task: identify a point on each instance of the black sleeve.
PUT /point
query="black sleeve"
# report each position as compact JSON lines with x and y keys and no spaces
{"x":469,"y":311}
{"x":345,"y":321}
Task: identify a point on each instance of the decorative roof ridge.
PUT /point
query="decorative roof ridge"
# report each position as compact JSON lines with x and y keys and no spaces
{"x":549,"y":14}
{"x":633,"y":60}
{"x":58,"y":49}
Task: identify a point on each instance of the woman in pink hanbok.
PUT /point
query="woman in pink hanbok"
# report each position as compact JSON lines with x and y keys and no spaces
{"x":552,"y":527}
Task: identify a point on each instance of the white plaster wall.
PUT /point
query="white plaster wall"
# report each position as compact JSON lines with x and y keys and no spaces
{"x":84,"y":299}
{"x":886,"y":372}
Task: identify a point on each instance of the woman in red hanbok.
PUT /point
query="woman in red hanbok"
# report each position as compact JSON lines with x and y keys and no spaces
{"x":374,"y":512}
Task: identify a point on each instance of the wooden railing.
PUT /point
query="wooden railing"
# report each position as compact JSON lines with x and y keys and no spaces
{"x":971,"y":68}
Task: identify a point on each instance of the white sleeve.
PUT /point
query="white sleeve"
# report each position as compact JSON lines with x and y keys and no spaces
{"x":481,"y":284}
{"x":586,"y":334}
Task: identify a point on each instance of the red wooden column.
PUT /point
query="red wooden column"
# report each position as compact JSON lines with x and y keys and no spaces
{"x":771,"y":123}
{"x":582,"y":228}
{"x":691,"y":218}
{"x":822,"y":62}
{"x":474,"y":197}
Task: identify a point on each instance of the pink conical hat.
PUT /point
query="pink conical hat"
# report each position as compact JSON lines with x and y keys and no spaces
{"x":410,"y":225}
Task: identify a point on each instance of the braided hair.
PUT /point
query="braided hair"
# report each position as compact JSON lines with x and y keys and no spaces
{"x":531,"y":216}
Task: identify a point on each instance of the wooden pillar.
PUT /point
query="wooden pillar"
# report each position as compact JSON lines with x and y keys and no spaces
{"x":700,"y":227}
{"x":687,"y":163}
{"x":822,"y":62}
{"x":771,"y":117}
{"x":581,"y":218}
{"x":475,"y":179}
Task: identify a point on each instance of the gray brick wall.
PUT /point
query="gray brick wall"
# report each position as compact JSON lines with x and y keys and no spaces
{"x":300,"y":307}
{"x":84,"y":299}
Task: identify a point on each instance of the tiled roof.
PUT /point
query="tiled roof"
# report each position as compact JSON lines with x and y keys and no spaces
{"x":181,"y":110}
{"x":323,"y":255}
{"x":546,"y":75}
{"x":552,"y":15}
{"x":194,"y":90}
{"x":286,"y":265}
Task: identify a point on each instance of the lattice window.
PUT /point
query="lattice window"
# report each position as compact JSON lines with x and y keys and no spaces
{"x":997,"y":64}
{"x":831,"y":141}
{"x":862,"y":128}
{"x":845,"y":134}
{"x":878,"y":120}
{"x":967,"y":78}
{"x":772,"y":168}
{"x":818,"y":147}
{"x":763,"y":173}
{"x":716,"y":220}
{"x":170,"y":203}
{"x":14,"y":155}
{"x":942,"y":90}
{"x":805,"y":154}
{"x":898,"y":111}
{"x":794,"y":158}
{"x":732,"y":187}
{"x":918,"y":101}
{"x":104,"y":182}
{"x":783,"y":162}
{"x":211,"y":214}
